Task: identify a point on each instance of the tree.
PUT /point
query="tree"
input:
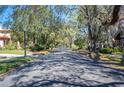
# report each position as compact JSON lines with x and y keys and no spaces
{"x":94,"y":18}
{"x":42,"y":24}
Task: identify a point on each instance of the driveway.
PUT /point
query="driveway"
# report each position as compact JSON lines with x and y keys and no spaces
{"x":63,"y":68}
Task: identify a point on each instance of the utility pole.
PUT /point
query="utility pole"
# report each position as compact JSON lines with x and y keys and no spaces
{"x":25,"y":34}
{"x":25,"y":44}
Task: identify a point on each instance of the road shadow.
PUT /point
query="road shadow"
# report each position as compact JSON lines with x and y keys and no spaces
{"x":74,"y":65}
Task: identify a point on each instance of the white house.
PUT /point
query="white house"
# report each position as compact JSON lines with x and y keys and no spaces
{"x":5,"y":36}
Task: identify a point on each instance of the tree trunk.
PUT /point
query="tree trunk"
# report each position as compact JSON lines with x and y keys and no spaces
{"x":34,"y":39}
{"x":122,"y":44}
{"x":18,"y":45}
{"x":46,"y":43}
{"x":94,"y":46}
{"x":90,"y":37}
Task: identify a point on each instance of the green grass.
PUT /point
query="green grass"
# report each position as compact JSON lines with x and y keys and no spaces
{"x":108,"y":59}
{"x":9,"y":64}
{"x":118,"y":53}
{"x":105,"y":57}
{"x":12,"y":51}
{"x":115,"y":59}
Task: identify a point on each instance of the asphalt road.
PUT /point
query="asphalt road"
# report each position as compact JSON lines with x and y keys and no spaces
{"x":63,"y":68}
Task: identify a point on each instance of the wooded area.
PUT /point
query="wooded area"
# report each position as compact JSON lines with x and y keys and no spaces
{"x":94,"y":28}
{"x":83,"y":43}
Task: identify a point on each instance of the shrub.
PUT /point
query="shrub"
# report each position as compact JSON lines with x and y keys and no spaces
{"x":106,"y":50}
{"x":3,"y":68}
{"x":37,"y":47}
{"x":80,"y":42}
{"x":10,"y":46}
{"x":117,"y":49}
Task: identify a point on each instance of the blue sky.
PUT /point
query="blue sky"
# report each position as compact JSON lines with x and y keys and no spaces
{"x":6,"y":14}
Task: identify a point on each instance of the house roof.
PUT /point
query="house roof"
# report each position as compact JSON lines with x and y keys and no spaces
{"x":6,"y":30}
{"x":4,"y":37}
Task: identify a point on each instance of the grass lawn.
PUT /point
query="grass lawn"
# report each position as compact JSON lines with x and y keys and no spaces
{"x":105,"y":57}
{"x":118,"y":53}
{"x":12,"y":51}
{"x":8,"y":64}
{"x":109,"y":59}
{"x":42,"y":52}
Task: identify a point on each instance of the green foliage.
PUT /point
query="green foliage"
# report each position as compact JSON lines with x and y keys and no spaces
{"x":106,"y":50}
{"x":117,"y":49}
{"x":3,"y":68}
{"x":17,"y":51}
{"x":80,"y":42}
{"x":41,"y":24}
{"x":93,"y":18}
{"x":37,"y":47}
{"x":74,"y":47}
{"x":6,"y":65}
{"x":9,"y":46}
{"x":50,"y":26}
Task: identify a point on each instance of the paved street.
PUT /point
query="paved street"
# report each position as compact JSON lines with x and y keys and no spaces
{"x":63,"y":68}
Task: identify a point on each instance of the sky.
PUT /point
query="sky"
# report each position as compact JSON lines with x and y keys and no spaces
{"x":5,"y":17}
{"x":6,"y":14}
